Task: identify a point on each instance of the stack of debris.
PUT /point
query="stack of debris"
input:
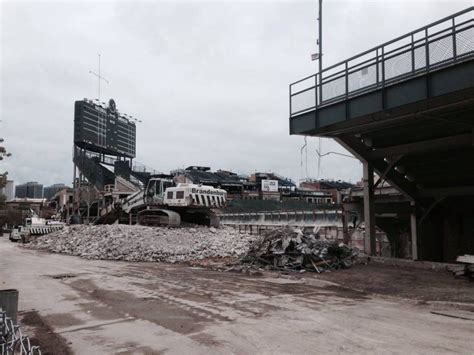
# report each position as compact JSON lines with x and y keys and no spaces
{"x":466,"y":268}
{"x":140,"y":243}
{"x":292,"y":249}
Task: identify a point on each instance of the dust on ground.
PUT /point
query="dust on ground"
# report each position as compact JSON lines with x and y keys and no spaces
{"x":42,"y":334}
{"x":143,"y":307}
{"x":404,"y":282}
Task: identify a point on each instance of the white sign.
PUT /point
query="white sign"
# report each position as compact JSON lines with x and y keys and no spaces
{"x":270,"y":185}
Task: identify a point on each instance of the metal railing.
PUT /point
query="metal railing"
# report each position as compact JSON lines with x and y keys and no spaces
{"x":12,"y":341}
{"x":93,"y":155}
{"x":284,"y":217}
{"x":141,"y":168}
{"x":429,"y":48}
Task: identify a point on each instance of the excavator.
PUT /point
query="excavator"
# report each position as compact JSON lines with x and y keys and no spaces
{"x":164,"y":203}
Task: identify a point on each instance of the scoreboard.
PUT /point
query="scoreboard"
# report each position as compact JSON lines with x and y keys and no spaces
{"x":103,"y":129}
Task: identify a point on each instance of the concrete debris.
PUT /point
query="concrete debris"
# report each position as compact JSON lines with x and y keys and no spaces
{"x":245,"y":269}
{"x":468,"y":259}
{"x":139,"y":243}
{"x":466,"y":268}
{"x":292,"y":249}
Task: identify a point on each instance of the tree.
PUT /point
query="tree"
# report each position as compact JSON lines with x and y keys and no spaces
{"x":3,"y":179}
{"x":3,"y":153}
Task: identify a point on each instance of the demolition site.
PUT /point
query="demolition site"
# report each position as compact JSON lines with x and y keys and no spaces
{"x":129,"y":259}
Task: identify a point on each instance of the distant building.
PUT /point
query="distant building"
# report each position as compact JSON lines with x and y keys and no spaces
{"x":25,"y":204}
{"x":226,"y":180}
{"x":337,"y":189}
{"x":250,"y":191}
{"x":29,"y":190}
{"x":50,"y":191}
{"x":271,"y":186}
{"x":9,"y":190}
{"x":62,"y":201}
{"x":309,"y":196}
{"x":258,"y":186}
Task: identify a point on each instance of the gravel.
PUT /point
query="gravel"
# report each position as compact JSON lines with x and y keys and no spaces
{"x":139,"y":243}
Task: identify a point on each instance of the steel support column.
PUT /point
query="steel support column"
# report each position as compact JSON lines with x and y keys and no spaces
{"x":369,"y":210}
{"x":414,"y":246}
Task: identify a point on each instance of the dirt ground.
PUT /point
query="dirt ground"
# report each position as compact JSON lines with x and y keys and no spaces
{"x":41,"y":334}
{"x":404,"y":282}
{"x":97,"y":307}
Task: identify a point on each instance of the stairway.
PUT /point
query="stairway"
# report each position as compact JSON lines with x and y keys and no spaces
{"x":94,"y":172}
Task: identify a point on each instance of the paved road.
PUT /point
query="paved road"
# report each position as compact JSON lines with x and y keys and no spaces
{"x":117,"y":307}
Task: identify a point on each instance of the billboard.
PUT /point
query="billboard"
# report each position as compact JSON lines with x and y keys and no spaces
{"x":270,"y":185}
{"x":103,"y":129}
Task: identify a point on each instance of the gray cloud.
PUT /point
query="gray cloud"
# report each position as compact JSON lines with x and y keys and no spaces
{"x":208,"y":79}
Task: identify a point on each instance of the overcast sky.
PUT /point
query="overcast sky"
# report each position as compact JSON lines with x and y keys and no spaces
{"x":209,"y":80}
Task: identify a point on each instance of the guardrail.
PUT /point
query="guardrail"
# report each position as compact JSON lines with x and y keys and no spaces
{"x":93,"y":155}
{"x":141,"y":168}
{"x":426,"y":49}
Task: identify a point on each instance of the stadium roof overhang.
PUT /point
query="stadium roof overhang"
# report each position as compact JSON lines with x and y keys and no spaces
{"x":406,"y":111}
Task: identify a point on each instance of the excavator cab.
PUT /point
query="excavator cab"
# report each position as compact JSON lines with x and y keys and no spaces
{"x":156,"y":213}
{"x":155,"y":190}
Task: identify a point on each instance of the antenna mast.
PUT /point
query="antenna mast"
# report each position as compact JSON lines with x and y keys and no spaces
{"x":99,"y":78}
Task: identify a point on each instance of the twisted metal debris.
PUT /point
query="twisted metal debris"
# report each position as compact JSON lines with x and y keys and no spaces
{"x":12,"y":341}
{"x":292,"y":249}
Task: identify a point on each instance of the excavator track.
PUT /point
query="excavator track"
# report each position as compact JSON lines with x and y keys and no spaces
{"x":158,"y":217}
{"x":201,"y":216}
{"x":214,"y":219}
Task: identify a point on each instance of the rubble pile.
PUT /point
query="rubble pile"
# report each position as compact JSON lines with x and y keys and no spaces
{"x":291,"y":249}
{"x":465,"y":268}
{"x":139,"y":243}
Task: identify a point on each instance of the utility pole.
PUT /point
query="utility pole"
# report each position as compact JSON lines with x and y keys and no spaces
{"x":320,"y":49}
{"x":320,"y":32}
{"x":99,"y":78}
{"x":319,"y":42}
{"x":319,"y":56}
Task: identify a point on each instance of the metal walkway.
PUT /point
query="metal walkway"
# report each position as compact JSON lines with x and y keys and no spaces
{"x":406,"y":110}
{"x":372,"y":81}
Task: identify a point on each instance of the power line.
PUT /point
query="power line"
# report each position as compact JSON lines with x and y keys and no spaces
{"x":336,"y":153}
{"x":301,"y":156}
